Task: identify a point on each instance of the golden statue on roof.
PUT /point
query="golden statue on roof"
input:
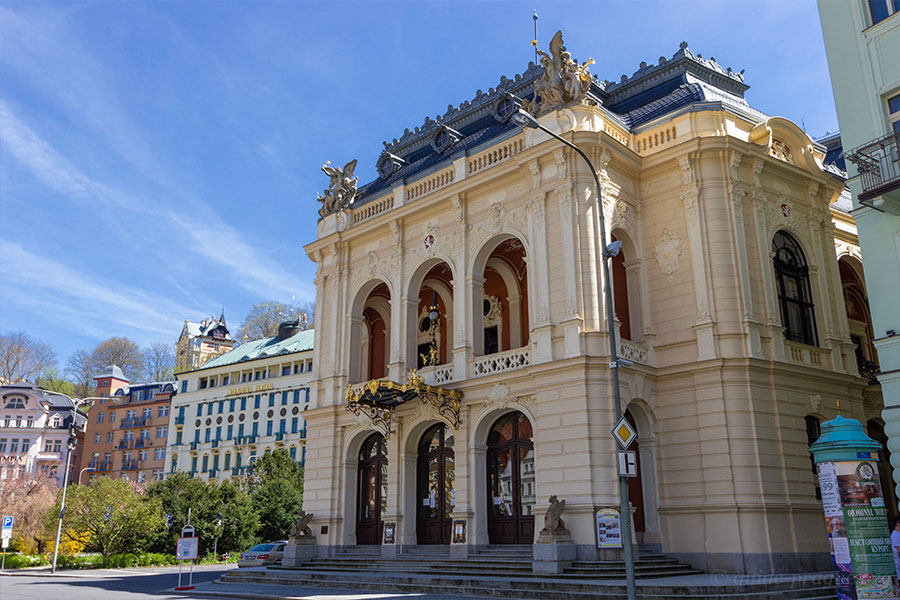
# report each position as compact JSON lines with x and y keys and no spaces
{"x":563,"y":80}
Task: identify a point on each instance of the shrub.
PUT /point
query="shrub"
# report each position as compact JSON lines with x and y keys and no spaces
{"x":20,"y":561}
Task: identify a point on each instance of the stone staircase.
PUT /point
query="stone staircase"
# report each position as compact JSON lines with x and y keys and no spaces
{"x":506,"y":571}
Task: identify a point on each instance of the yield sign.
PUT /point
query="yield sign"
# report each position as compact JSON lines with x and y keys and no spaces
{"x":624,"y":433}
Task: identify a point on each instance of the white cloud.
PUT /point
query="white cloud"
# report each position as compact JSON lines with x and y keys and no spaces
{"x":206,"y":240}
{"x":86,"y":304}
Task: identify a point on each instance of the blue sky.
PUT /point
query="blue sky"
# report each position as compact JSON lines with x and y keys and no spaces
{"x":159,"y":161}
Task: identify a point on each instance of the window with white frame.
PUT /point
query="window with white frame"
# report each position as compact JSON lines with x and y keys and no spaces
{"x":15,"y":403}
{"x":159,"y":453}
{"x":879,"y":10}
{"x":893,"y":108}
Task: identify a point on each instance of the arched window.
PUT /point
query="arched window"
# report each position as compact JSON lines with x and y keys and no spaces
{"x":794,"y":295}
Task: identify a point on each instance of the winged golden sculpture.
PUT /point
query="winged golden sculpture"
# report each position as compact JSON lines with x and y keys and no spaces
{"x":341,"y":190}
{"x":563,"y":79}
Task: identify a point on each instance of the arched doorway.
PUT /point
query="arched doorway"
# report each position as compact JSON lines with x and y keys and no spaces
{"x":635,"y":484}
{"x":372,"y":481}
{"x":511,"y":485}
{"x":435,"y":477}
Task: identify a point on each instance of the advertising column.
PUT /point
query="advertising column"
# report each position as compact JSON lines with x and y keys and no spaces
{"x":855,"y":518}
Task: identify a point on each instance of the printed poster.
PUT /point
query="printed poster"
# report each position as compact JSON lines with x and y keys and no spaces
{"x":609,"y":528}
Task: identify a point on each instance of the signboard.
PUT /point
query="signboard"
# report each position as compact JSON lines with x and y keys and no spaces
{"x":187,"y":548}
{"x":626,"y":460}
{"x":5,"y":542}
{"x":7,"y":527}
{"x":389,"y":529}
{"x":459,"y":531}
{"x":624,"y":433}
{"x":857,"y":528}
{"x":609,"y":528}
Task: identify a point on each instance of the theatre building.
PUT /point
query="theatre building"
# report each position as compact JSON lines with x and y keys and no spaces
{"x":462,"y":360}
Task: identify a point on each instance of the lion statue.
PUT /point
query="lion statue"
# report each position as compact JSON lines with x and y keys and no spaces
{"x":553,"y":521}
{"x":300,"y":528}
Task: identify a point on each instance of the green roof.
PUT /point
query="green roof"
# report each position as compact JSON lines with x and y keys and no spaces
{"x":264,"y":348}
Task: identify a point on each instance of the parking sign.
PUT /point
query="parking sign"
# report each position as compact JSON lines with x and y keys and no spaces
{"x":7,"y":526}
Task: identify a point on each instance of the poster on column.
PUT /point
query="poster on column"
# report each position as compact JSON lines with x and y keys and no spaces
{"x":839,"y":545}
{"x":866,"y":526}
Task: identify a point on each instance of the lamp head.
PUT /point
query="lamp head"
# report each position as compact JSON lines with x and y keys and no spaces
{"x":613,"y":249}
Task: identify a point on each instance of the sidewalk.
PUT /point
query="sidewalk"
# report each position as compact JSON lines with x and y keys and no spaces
{"x":44,"y":571}
{"x":656,"y":586}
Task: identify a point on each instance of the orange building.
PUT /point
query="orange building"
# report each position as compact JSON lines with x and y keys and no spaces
{"x":127,"y":428}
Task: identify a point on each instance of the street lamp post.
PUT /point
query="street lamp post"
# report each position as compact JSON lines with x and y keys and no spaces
{"x":80,"y":473}
{"x":71,"y":443}
{"x":512,"y":106}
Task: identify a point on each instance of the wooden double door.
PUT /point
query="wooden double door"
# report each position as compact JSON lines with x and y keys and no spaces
{"x":372,"y":481}
{"x":511,"y":484}
{"x":435,"y":478}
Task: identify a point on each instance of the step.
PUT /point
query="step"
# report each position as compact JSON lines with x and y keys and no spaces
{"x":544,"y":589}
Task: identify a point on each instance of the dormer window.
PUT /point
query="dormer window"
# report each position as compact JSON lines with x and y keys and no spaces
{"x":443,"y":138}
{"x":388,"y":163}
{"x":55,"y":421}
{"x":15,"y":403}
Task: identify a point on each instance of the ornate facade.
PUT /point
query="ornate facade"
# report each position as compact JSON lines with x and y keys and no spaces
{"x":35,"y":426}
{"x":201,"y":342}
{"x":473,"y":260}
{"x":241,"y":405}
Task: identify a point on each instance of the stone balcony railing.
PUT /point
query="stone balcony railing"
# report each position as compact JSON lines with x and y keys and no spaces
{"x":437,"y":374}
{"x":634,"y":351}
{"x":802,"y":354}
{"x":499,"y":362}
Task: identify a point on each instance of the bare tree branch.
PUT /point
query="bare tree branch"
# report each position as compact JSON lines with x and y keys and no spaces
{"x":22,"y":358}
{"x":80,"y":368}
{"x":159,"y":361}
{"x":122,"y":352}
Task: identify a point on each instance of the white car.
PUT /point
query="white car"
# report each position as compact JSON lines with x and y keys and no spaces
{"x":260,"y":555}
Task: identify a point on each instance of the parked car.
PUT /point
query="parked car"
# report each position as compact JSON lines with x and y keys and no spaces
{"x":260,"y":555}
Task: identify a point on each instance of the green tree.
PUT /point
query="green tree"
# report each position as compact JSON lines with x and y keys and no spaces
{"x":278,"y":504}
{"x":177,"y":494}
{"x":239,"y":519}
{"x":114,"y":515}
{"x":209,"y":503}
{"x":277,"y":465}
{"x":53,"y":381}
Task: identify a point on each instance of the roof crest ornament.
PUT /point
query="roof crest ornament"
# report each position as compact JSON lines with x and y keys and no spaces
{"x":563,"y":80}
{"x":341,"y":191}
{"x":683,"y":53}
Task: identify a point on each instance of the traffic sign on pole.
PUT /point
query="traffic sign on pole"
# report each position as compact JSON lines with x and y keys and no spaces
{"x":626,"y":460}
{"x":624,"y":433}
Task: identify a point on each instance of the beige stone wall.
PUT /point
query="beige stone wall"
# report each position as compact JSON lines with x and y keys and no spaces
{"x":719,"y":395}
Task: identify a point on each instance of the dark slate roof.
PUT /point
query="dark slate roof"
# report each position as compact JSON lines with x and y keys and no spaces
{"x":653,"y":91}
{"x":59,"y":403}
{"x":481,"y":131}
{"x":111,"y":371}
{"x":159,"y":385}
{"x":834,"y":151}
